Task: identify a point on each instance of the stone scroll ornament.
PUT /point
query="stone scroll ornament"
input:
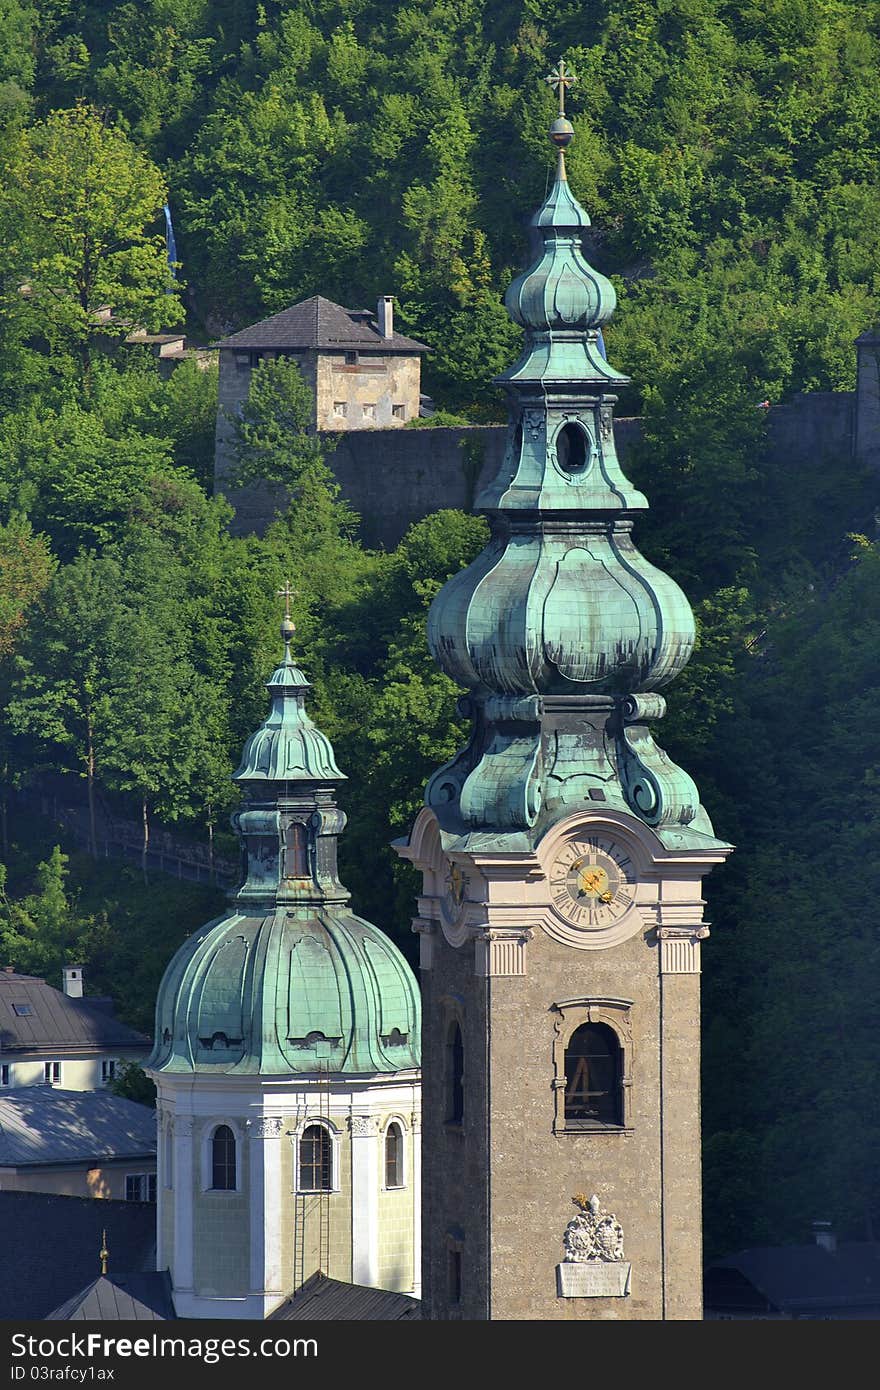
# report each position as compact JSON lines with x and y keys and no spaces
{"x":592,"y":1234}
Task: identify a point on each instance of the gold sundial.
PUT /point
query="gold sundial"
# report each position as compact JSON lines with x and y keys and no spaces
{"x":456,"y":888}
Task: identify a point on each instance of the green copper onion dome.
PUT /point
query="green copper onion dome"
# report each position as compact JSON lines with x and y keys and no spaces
{"x":561,"y":632}
{"x":288,"y":979}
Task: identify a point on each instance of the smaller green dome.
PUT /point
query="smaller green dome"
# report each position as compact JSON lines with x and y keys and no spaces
{"x":289,"y":980}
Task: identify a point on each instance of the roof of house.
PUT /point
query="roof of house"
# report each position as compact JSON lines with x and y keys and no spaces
{"x":35,"y":1017}
{"x":319,"y":323}
{"x":44,"y":1124}
{"x":145,"y":1297}
{"x":322,"y":1299}
{"x":800,"y":1279}
{"x":51,"y":1246}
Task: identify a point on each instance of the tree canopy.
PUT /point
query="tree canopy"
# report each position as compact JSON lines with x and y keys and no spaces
{"x":729,"y":156}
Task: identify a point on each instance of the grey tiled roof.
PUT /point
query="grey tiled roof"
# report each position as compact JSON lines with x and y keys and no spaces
{"x":143,"y":1297}
{"x":51,"y":1244}
{"x":319,"y":323}
{"x":805,"y":1278}
{"x":50,"y":1020}
{"x":321,"y":1299}
{"x":44,"y":1124}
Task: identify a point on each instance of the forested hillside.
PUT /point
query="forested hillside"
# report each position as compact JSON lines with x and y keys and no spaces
{"x":729,"y":155}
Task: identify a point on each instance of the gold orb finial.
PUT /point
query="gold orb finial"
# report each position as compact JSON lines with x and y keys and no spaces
{"x":562,"y":130}
{"x":104,"y":1253}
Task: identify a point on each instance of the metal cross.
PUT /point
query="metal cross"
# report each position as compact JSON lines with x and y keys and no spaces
{"x":561,"y":78}
{"x":287,"y":594}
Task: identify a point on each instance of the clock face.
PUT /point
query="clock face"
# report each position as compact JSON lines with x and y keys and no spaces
{"x":592,"y":882}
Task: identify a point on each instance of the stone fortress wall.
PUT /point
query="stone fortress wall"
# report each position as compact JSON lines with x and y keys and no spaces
{"x":394,"y":477}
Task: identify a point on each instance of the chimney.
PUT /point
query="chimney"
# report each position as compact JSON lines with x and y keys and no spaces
{"x":385,"y":316}
{"x":73,"y":981}
{"x":825,"y":1237}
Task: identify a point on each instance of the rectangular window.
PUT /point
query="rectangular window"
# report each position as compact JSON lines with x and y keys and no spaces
{"x":399,"y":412}
{"x":23,"y":1010}
{"x":140,"y":1187}
{"x":5,"y":1074}
{"x":316,"y":1160}
{"x":369,"y":412}
{"x":351,"y":359}
{"x":108,"y":1069}
{"x":340,"y":408}
{"x":52,"y":1073}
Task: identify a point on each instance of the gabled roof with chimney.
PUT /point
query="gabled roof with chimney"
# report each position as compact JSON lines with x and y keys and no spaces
{"x":319,"y":323}
{"x":34,"y":1017}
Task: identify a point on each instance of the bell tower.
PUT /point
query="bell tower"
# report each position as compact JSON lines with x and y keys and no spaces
{"x":562,"y":854}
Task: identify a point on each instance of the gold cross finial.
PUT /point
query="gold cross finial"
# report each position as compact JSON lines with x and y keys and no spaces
{"x":104,"y":1253}
{"x":288,"y":626}
{"x":287,"y":594}
{"x":561,"y":78}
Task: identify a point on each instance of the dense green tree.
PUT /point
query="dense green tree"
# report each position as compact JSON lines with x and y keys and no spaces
{"x":79,"y":213}
{"x":273,"y":435}
{"x":41,"y":932}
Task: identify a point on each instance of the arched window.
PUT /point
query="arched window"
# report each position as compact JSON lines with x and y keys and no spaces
{"x":315,"y":1160}
{"x":571,"y":448}
{"x":592,"y":1077}
{"x":393,"y":1156}
{"x":223,"y":1159}
{"x":454,"y":1076}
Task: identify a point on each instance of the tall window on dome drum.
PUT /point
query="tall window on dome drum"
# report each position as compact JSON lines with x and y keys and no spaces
{"x":592,"y":1077}
{"x":315,"y":1160}
{"x":454,"y":1076}
{"x":223,"y":1159}
{"x":393,"y":1156}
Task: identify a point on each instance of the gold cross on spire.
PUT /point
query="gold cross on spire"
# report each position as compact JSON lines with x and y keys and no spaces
{"x":287,"y":594}
{"x":561,"y":78}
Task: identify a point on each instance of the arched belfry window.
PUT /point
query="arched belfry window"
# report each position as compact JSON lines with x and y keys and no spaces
{"x":592,"y":1076}
{"x":592,"y":1061}
{"x":454,"y":1075}
{"x":572,"y":451}
{"x":394,"y":1155}
{"x":223,"y":1159}
{"x":316,"y":1160}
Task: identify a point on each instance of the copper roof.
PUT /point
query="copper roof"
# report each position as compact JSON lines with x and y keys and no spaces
{"x":319,"y":323}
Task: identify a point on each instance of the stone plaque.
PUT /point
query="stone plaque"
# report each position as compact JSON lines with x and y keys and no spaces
{"x":594,"y":1279}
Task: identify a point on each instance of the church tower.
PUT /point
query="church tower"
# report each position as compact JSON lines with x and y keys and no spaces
{"x":287,"y":1057}
{"x":562,"y":854}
